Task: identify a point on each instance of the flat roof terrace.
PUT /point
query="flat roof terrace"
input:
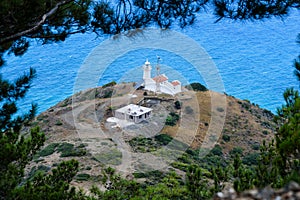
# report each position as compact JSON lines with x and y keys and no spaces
{"x":134,"y":110}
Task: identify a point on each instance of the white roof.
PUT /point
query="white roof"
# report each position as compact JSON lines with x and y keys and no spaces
{"x":134,"y":110}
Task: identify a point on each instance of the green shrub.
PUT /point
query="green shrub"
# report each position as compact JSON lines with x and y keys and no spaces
{"x":35,"y":170}
{"x":138,"y":175}
{"x":192,"y":152}
{"x":185,"y":158}
{"x":251,"y":159}
{"x":226,"y":138}
{"x":58,"y":123}
{"x":248,"y":101}
{"x":217,"y":150}
{"x":179,"y":165}
{"x":109,"y":84}
{"x":108,"y":94}
{"x":64,"y":103}
{"x":48,"y":150}
{"x":82,"y":177}
{"x":64,"y":147}
{"x":265,"y":132}
{"x":111,"y":157}
{"x":174,"y":115}
{"x":82,"y":145}
{"x":177,"y":104}
{"x":247,"y":105}
{"x":155,"y":174}
{"x":235,"y":151}
{"x":67,"y":150}
{"x":255,"y":146}
{"x":197,"y":87}
{"x":142,"y":144}
{"x":172,"y":119}
{"x":219,"y":109}
{"x":211,"y":160}
{"x":111,"y":108}
{"x":163,"y":139}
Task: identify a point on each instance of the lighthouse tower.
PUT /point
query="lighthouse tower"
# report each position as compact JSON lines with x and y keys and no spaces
{"x":147,"y":71}
{"x":159,"y":83}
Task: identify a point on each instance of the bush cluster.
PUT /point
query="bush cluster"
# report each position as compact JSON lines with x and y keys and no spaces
{"x":172,"y":119}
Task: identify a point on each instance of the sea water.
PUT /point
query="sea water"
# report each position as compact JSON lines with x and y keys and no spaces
{"x":254,"y":59}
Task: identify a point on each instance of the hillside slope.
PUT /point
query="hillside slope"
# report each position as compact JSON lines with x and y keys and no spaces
{"x":77,"y":128}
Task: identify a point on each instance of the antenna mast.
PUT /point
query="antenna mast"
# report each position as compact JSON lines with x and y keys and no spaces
{"x":158,"y":75}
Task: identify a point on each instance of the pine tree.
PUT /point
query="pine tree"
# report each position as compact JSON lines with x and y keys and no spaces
{"x":55,"y":20}
{"x":51,"y":186}
{"x":16,"y":149}
{"x":197,"y":183}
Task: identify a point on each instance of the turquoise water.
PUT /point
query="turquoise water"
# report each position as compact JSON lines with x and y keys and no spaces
{"x":254,"y":60}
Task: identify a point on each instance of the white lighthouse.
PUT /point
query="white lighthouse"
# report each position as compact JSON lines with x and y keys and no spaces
{"x":147,"y":71}
{"x":159,"y":83}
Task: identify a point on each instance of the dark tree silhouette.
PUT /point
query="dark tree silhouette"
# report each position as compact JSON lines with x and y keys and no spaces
{"x":54,"y":20}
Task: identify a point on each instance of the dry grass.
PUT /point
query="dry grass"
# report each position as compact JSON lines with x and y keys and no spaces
{"x":244,"y":123}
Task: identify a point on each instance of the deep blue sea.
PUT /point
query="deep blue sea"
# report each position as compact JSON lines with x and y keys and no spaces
{"x":254,"y":60}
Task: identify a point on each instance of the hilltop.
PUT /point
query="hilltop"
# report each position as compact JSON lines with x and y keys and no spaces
{"x":77,"y":128}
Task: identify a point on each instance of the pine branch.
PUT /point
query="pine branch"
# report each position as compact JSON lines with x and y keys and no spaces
{"x":37,"y":25}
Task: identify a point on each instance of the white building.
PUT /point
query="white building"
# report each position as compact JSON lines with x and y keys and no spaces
{"x":133,"y":113}
{"x":160,"y":83}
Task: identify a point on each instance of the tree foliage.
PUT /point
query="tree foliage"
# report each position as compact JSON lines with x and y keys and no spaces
{"x":10,"y":93}
{"x":54,"y":20}
{"x":253,"y":10}
{"x":197,"y":87}
{"x":16,"y":149}
{"x":172,"y":119}
{"x":55,"y":185}
{"x":278,"y":162}
{"x":297,"y":62}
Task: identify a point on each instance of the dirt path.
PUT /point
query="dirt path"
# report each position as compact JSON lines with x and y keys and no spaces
{"x":83,"y":118}
{"x":90,"y":132}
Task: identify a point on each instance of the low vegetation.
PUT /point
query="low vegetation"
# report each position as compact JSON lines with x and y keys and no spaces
{"x":110,"y":84}
{"x":65,"y":150}
{"x":172,"y":119}
{"x":111,"y":157}
{"x":143,"y":145}
{"x":177,"y":104}
{"x":197,"y":87}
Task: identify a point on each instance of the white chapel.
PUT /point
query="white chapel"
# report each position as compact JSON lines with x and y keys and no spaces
{"x":159,"y":83}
